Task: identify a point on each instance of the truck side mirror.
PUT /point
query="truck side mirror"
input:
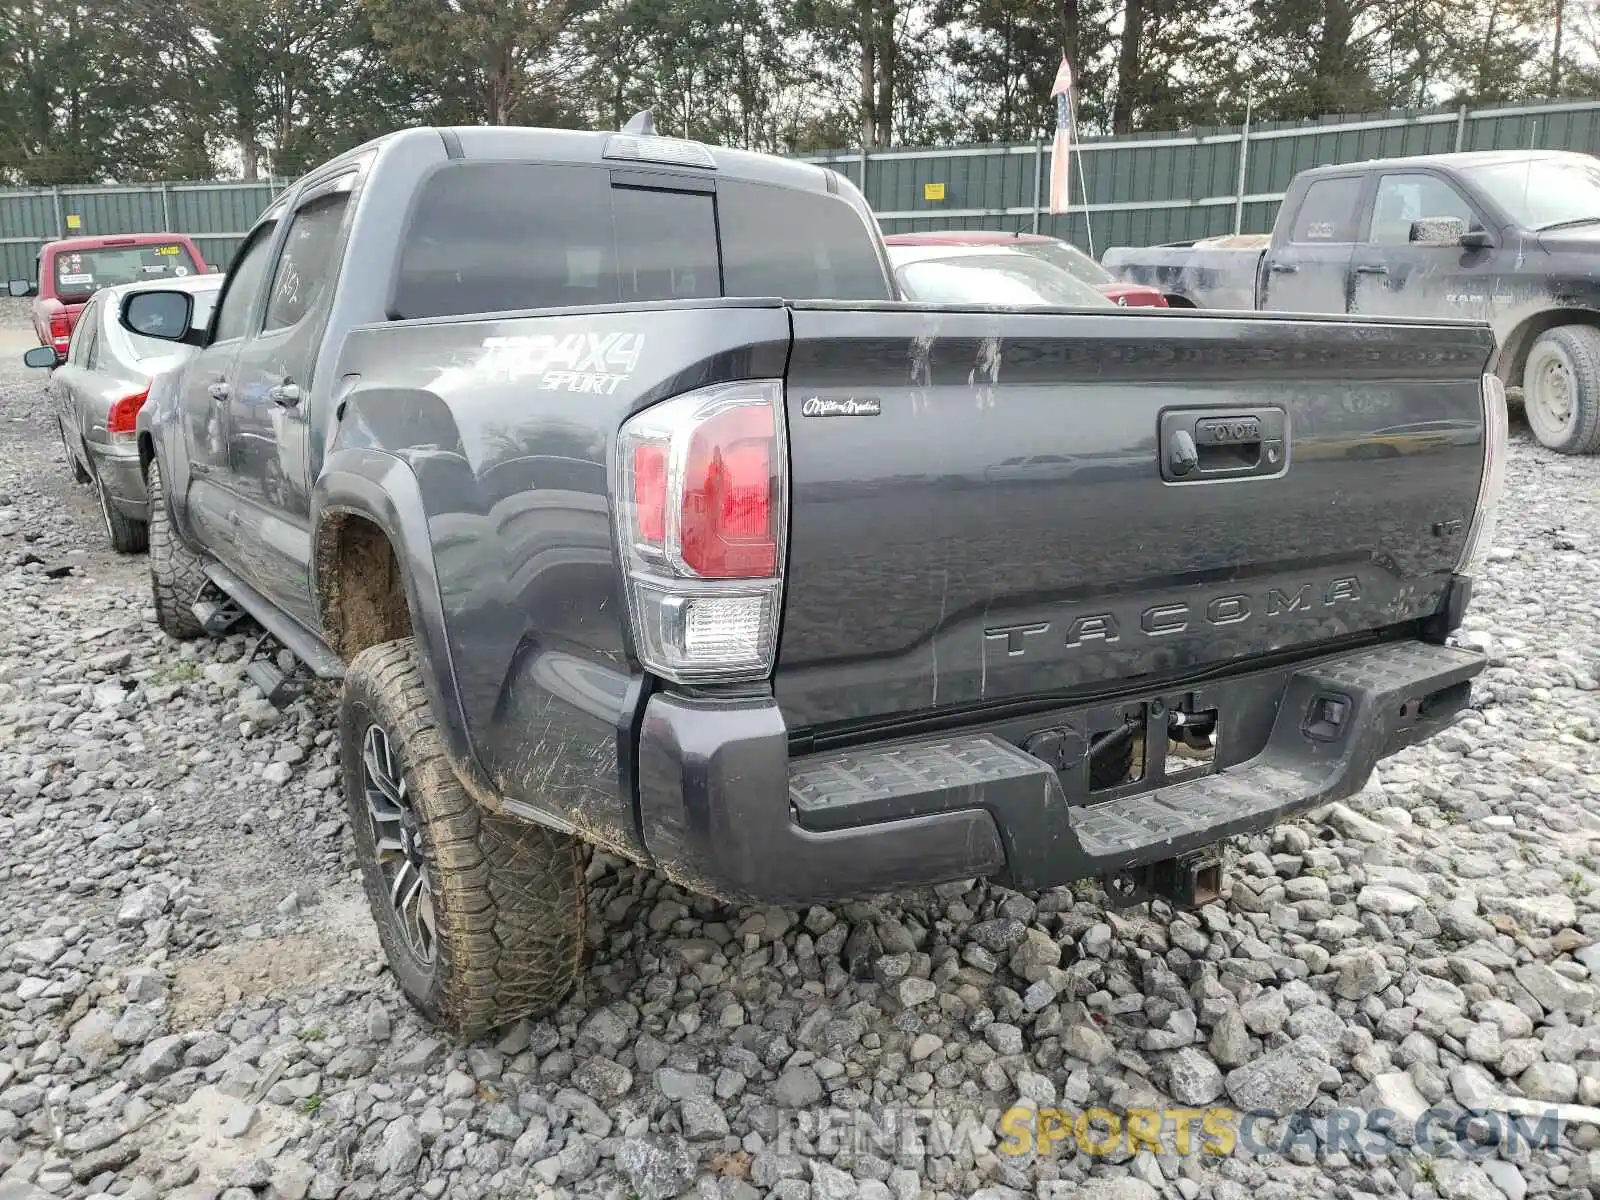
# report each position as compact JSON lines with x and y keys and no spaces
{"x":1438,"y":231}
{"x":19,"y":288}
{"x":162,"y":313}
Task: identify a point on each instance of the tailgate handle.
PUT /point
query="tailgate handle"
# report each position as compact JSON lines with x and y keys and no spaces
{"x":1203,"y":445}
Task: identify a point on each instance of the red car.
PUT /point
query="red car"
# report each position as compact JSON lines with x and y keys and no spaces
{"x":1053,"y":250}
{"x":73,"y":269}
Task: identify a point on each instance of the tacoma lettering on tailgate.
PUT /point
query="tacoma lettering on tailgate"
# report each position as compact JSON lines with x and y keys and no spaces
{"x":1163,"y":620}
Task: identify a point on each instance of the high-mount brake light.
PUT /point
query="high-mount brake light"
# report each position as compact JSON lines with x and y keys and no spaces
{"x":702,"y":517}
{"x":1492,"y":485}
{"x":654,"y":149}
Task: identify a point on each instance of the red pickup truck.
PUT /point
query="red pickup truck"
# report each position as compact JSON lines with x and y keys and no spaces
{"x":73,"y":269}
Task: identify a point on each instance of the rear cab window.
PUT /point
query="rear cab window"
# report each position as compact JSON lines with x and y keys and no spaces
{"x":1328,"y":212}
{"x":79,"y":273}
{"x":498,"y":236}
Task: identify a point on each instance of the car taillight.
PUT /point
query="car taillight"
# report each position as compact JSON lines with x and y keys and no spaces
{"x":124,"y":413}
{"x":702,"y":514}
{"x":1492,"y":485}
{"x":60,"y":331}
{"x":650,"y":492}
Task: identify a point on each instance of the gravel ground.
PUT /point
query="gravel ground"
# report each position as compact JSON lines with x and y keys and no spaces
{"x":192,"y":1002}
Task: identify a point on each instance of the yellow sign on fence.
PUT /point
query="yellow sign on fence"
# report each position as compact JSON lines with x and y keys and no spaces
{"x":74,"y":221}
{"x":933,"y":191}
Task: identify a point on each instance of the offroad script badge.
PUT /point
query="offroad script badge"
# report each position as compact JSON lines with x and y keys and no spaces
{"x":854,"y":406}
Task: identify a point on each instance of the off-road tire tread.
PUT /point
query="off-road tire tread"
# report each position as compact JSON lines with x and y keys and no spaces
{"x":510,"y":896}
{"x":176,"y":576}
{"x":1582,"y":344}
{"x":128,"y":536}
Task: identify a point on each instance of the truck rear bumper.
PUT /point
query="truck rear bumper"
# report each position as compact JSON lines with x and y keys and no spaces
{"x":725,"y":810}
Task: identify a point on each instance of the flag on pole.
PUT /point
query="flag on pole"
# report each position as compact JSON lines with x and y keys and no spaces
{"x":1061,"y":90}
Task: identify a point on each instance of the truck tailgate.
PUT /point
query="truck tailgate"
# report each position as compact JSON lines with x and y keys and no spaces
{"x":980,"y":513}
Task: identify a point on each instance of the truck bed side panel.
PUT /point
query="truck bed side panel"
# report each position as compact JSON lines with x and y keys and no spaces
{"x":1001,"y":528}
{"x":509,"y":425}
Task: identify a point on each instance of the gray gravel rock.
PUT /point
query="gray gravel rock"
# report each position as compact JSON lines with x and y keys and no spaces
{"x":1279,"y":1083}
{"x":1192,"y":1077}
{"x":797,"y":1087}
{"x":401,"y":1149}
{"x":656,"y":1167}
{"x":159,"y":1058}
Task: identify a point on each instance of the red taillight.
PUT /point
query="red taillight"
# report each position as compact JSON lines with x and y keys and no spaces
{"x":729,"y":528}
{"x":125,"y":412}
{"x":650,"y":492}
{"x":701,"y":488}
{"x":60,"y":331}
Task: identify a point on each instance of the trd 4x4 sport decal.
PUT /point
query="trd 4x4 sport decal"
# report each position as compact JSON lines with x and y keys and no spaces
{"x":597,"y":363}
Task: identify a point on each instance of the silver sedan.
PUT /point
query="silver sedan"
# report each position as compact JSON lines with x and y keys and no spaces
{"x":97,"y":391}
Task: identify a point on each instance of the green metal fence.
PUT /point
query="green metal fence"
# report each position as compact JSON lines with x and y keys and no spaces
{"x":1127,"y":191}
{"x":217,"y":215}
{"x":1159,"y":187}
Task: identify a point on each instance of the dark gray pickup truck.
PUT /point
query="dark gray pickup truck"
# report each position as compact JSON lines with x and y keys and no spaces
{"x":1508,"y":237}
{"x":633,"y":509}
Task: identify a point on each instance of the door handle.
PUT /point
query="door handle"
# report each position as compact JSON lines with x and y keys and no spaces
{"x":1371,"y":269}
{"x":218,"y":390}
{"x":1283,"y":268}
{"x":285,"y":394}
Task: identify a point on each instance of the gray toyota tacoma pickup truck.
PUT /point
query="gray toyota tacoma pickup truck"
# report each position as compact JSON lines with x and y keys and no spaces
{"x":634,"y":509}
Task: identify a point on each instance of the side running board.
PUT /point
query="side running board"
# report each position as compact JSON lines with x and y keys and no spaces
{"x":294,"y":637}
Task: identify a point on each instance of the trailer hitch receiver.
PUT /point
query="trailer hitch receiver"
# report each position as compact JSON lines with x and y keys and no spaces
{"x":1188,"y":881}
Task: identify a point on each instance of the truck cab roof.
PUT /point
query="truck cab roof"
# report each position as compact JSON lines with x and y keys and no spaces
{"x":647,"y":151}
{"x":1460,"y":161}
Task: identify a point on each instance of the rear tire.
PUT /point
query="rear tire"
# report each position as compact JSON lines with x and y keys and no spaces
{"x":176,"y":575}
{"x":481,"y":918}
{"x":127,"y":535}
{"x":1561,"y":389}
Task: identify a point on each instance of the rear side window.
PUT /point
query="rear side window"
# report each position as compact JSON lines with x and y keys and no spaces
{"x":493,"y":237}
{"x":1328,"y":213}
{"x":797,"y":245}
{"x":307,"y":262}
